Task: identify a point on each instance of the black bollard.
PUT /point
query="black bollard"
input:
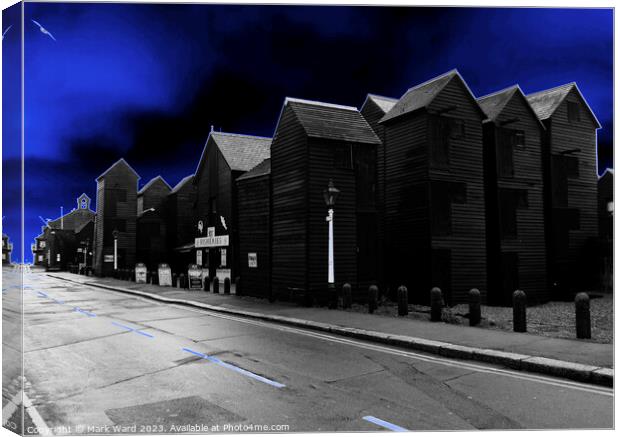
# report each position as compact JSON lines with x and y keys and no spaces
{"x":155,"y":277}
{"x":238,"y":286}
{"x":403,"y":300}
{"x":436,"y":304}
{"x":474,"y":307}
{"x":216,"y":285}
{"x":373,"y":295}
{"x":182,"y":281}
{"x":346,"y":296}
{"x":519,"y":306}
{"x":227,"y":285}
{"x":174,"y":280}
{"x":582,"y":315}
{"x":206,"y":283}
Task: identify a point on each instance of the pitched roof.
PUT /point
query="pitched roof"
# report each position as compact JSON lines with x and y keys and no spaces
{"x":262,"y":169}
{"x":151,"y":182}
{"x":330,"y":121}
{"x":117,"y":163}
{"x":546,"y":102}
{"x":384,"y":103}
{"x":493,"y":104}
{"x":608,"y":171}
{"x":420,"y":96}
{"x":241,"y":152}
{"x":182,"y":183}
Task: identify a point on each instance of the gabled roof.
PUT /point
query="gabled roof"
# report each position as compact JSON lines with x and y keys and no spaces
{"x":151,"y":182}
{"x":241,"y":152}
{"x":330,"y":121}
{"x":546,"y":102}
{"x":420,"y":96}
{"x":120,"y":162}
{"x":384,"y":103}
{"x":493,"y":104}
{"x":262,"y":169}
{"x":182,"y":183}
{"x":609,"y":172}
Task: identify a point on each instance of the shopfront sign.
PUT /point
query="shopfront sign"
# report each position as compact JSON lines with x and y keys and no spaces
{"x":165,"y":275}
{"x":252,"y":260}
{"x":222,"y":274}
{"x":140,"y":273}
{"x":214,"y":241}
{"x":194,"y":273}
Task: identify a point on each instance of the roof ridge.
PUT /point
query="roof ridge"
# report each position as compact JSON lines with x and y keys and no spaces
{"x":511,"y":87}
{"x":552,"y":89}
{"x":453,"y":71}
{"x":230,"y":134}
{"x":318,"y":103}
{"x":152,"y":181}
{"x":382,"y":97}
{"x":182,"y":182}
{"x":122,"y":160}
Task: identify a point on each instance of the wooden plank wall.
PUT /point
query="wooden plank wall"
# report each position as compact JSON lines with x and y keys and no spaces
{"x":467,"y":242}
{"x":289,"y":187}
{"x":582,"y":191}
{"x":253,"y":231}
{"x":530,"y":242}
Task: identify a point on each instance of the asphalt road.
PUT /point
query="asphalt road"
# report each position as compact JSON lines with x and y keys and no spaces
{"x":100,"y":361}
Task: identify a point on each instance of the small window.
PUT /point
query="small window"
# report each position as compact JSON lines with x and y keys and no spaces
{"x":573,"y":112}
{"x":439,"y":142}
{"x":343,"y":156}
{"x":505,"y":148}
{"x":519,"y":140}
{"x":457,"y":128}
{"x":510,"y":200}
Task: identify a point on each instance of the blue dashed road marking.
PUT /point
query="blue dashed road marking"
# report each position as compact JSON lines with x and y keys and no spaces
{"x":130,"y":329}
{"x":235,"y":368}
{"x":384,"y":424}
{"x":87,"y":313}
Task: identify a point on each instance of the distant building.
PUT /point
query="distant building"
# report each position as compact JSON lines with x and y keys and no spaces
{"x":434,"y":191}
{"x":182,"y":224}
{"x":67,"y":241}
{"x":116,"y":218}
{"x":313,"y":143}
{"x":225,"y":157}
{"x":7,"y":249}
{"x":151,"y":237}
{"x":516,"y":253}
{"x":570,"y":170}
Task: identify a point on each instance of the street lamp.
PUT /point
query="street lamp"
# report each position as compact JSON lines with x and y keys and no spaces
{"x":115,"y":235}
{"x":330,"y":194}
{"x":85,"y":254}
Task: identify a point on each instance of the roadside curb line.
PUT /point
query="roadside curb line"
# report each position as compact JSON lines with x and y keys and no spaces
{"x":603,"y":376}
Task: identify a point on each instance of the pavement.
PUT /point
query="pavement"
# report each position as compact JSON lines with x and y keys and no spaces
{"x":578,"y":360}
{"x":105,"y":361}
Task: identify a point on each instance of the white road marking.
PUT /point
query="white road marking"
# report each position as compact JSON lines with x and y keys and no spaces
{"x":39,"y":423}
{"x":9,"y":409}
{"x":384,"y":424}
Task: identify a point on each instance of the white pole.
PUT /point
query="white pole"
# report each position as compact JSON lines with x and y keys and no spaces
{"x":330,"y":257}
{"x":115,"y":253}
{"x":62,"y":219}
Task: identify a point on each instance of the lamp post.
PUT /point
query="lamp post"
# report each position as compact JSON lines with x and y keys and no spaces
{"x":86,"y":252}
{"x":330,"y":194}
{"x":115,"y":235}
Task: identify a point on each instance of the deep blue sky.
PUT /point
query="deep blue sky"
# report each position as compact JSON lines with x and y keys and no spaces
{"x":146,"y":82}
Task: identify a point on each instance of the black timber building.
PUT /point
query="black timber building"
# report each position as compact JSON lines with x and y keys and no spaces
{"x":225,"y":157}
{"x":374,"y":109}
{"x":7,"y":249}
{"x":434,"y":195}
{"x":516,"y":252}
{"x":253,"y":198}
{"x":313,"y":143}
{"x":151,"y":239}
{"x":116,"y":210}
{"x":181,"y":223}
{"x":570,"y":171}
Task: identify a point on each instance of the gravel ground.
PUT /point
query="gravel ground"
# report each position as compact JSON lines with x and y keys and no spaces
{"x":553,"y":319}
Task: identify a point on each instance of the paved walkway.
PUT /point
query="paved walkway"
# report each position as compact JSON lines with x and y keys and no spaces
{"x":576,"y":351}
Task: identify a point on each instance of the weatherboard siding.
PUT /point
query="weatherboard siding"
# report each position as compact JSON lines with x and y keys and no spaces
{"x":289,"y":188}
{"x":529,"y":244}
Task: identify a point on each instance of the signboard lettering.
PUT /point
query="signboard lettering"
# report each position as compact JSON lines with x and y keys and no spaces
{"x":165,"y":275}
{"x":211,"y":231}
{"x":199,"y":257}
{"x":223,"y":257}
{"x":140,"y":273}
{"x":252,"y":260}
{"x":108,"y":258}
{"x":214,"y":241}
{"x":194,"y":273}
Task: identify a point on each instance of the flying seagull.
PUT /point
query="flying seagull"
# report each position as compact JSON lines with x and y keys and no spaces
{"x":223,"y":222}
{"x":5,"y":32}
{"x":44,"y":30}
